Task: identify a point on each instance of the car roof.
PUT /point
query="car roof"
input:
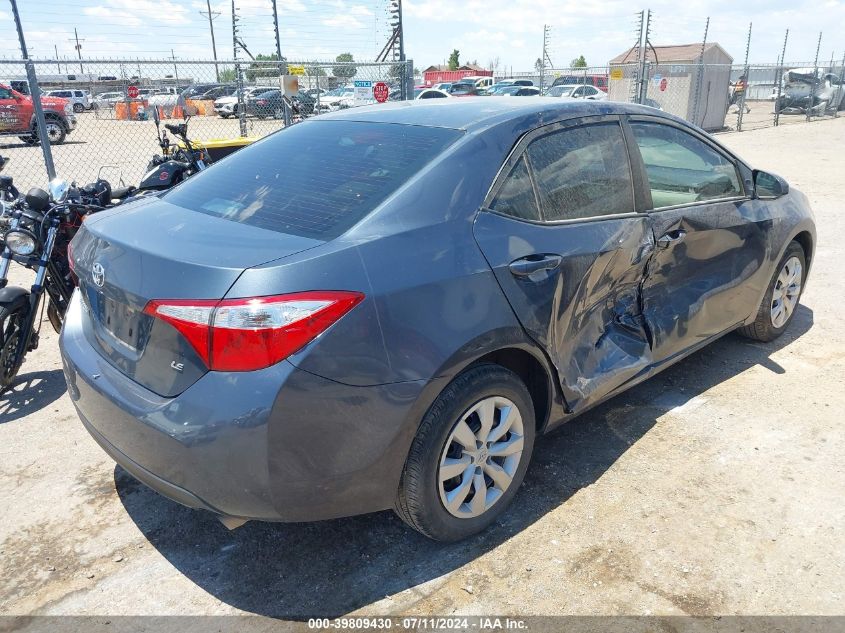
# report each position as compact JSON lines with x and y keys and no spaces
{"x":474,"y":114}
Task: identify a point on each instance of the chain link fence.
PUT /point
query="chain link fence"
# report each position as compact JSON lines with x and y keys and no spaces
{"x":716,"y":97}
{"x":99,"y":113}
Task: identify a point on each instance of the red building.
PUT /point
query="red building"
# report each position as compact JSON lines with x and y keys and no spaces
{"x":439,"y":74}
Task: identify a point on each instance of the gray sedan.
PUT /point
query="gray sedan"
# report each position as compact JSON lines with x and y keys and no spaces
{"x":383,"y":307}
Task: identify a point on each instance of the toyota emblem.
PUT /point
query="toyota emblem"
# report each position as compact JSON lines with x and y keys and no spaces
{"x":98,"y":274}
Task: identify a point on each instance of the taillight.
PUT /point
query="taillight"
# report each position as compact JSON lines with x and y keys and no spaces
{"x":262,"y":102}
{"x":250,"y":334}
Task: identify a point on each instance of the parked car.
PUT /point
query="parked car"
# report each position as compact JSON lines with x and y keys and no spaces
{"x":464,"y":89}
{"x":227,"y":106}
{"x":332,"y":99}
{"x":79,"y":99}
{"x":107,"y":99}
{"x":17,"y":116}
{"x":445,"y":85}
{"x":217,"y":92}
{"x":519,"y":91}
{"x":506,"y":83}
{"x":432,"y":93}
{"x":599,"y":81}
{"x":269,"y":104}
{"x":577,"y":91}
{"x":386,"y":305}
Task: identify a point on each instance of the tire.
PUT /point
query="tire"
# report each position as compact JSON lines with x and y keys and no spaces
{"x":422,"y":497}
{"x":78,"y":107}
{"x":766,"y":326}
{"x":9,"y":338}
{"x":56,"y":131}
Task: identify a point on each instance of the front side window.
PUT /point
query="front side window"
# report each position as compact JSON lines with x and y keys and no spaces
{"x":582,"y":172}
{"x":516,"y":197}
{"x":683,"y":169}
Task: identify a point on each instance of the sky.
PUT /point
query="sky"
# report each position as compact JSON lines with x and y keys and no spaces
{"x":504,"y":32}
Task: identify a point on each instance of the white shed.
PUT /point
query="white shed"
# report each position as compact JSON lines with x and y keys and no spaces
{"x":672,"y":73}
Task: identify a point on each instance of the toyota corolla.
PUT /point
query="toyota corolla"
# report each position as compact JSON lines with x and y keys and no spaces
{"x":384,"y":307}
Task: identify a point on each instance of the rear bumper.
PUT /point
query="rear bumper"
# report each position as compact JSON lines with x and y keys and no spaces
{"x":279,"y":444}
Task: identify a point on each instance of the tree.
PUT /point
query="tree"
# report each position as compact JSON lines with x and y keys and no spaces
{"x":260,"y":67}
{"x":228,"y":75}
{"x":454,"y":59}
{"x":346,"y":71}
{"x":538,"y":65}
{"x":578,"y":62}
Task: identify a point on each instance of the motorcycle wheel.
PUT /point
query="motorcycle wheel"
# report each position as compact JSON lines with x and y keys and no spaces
{"x":10,"y":333}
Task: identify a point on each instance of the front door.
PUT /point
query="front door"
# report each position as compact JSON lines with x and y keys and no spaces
{"x":703,"y":277}
{"x":563,"y":236}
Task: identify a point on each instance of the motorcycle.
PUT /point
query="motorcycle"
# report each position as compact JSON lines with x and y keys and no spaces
{"x":175,"y":163}
{"x":41,"y":226}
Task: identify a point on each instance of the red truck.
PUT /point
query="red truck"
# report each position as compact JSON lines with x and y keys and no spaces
{"x":17,"y":116}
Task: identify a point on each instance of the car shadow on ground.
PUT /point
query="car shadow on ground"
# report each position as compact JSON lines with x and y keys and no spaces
{"x":30,"y":393}
{"x":330,"y":568}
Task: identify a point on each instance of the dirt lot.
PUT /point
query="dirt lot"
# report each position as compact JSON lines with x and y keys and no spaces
{"x":714,"y":488}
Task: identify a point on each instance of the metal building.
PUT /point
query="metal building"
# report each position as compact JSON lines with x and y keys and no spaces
{"x":673,"y":74}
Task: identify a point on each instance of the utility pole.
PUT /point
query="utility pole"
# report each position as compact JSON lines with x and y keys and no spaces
{"x":406,"y":78}
{"x":211,"y":15}
{"x":285,"y":109}
{"x":35,"y":92}
{"x":58,"y":65}
{"x":238,"y":76}
{"x":78,"y":48}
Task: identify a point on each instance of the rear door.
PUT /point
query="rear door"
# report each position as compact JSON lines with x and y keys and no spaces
{"x":711,"y":240}
{"x":563,"y":232}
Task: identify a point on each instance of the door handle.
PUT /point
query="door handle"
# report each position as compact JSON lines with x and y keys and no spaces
{"x":533,"y":263}
{"x":672,"y":237}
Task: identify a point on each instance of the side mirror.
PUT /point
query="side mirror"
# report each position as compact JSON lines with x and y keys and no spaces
{"x":769,"y":186}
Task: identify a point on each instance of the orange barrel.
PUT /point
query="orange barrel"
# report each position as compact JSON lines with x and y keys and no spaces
{"x":121,"y":110}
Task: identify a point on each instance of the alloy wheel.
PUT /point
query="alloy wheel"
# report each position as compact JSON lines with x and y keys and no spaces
{"x":786,"y":292}
{"x":480,"y":458}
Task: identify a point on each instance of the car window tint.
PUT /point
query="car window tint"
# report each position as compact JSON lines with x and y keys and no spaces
{"x":315,"y":179}
{"x":681,"y":168}
{"x":516,"y":197}
{"x":5,"y":94}
{"x":582,"y":172}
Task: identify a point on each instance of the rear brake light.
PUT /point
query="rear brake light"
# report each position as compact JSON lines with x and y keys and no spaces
{"x":250,"y":334}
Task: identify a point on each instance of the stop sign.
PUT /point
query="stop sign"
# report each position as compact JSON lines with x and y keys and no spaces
{"x":381,"y":91}
{"x":132,"y":92}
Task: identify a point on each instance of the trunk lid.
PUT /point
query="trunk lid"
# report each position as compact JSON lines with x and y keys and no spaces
{"x":149,"y":250}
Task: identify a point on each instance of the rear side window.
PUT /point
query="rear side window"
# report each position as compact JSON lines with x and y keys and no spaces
{"x":316,"y":179}
{"x":681,"y":168}
{"x":582,"y":172}
{"x":516,"y":197}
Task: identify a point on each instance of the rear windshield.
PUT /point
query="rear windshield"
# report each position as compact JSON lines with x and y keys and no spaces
{"x":316,"y":179}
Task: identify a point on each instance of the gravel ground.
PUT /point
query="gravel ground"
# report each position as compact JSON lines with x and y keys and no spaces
{"x":714,"y":488}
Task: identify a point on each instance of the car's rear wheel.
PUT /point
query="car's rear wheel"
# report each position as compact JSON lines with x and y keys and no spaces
{"x":469,"y":456}
{"x":78,"y":107}
{"x":781,"y":301}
